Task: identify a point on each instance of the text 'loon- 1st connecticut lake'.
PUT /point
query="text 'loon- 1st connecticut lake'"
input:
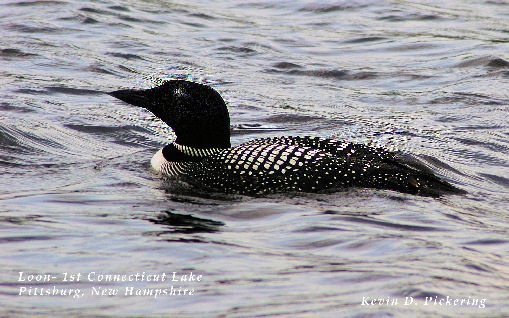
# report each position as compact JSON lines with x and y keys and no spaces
{"x":177,"y":284}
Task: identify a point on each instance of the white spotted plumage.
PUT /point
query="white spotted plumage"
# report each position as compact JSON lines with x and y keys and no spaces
{"x":260,"y":166}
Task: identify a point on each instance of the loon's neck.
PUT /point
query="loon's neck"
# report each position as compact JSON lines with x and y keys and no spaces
{"x":174,"y":154}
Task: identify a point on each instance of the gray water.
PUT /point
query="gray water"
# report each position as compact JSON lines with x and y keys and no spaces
{"x":77,"y":195}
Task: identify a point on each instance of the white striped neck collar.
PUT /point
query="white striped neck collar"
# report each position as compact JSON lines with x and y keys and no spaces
{"x":196,"y":152}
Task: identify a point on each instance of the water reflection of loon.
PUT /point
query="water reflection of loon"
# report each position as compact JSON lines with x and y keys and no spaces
{"x":202,"y":156}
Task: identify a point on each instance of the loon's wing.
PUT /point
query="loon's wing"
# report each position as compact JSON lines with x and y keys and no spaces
{"x":350,"y":151}
{"x":382,"y":169}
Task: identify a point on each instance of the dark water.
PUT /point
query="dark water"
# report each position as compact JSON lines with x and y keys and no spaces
{"x":77,"y":194}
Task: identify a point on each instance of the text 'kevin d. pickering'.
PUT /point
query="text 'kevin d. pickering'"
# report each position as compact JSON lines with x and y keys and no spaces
{"x":438,"y":301}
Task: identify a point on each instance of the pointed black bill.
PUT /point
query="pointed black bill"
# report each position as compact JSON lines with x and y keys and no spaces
{"x":134,"y":97}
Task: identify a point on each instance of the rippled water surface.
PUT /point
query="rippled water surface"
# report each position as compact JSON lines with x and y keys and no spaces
{"x":77,"y":195}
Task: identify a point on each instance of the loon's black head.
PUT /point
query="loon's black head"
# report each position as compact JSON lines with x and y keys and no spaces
{"x":196,"y":112}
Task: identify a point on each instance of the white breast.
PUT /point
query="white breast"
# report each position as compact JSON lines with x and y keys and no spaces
{"x":158,"y":162}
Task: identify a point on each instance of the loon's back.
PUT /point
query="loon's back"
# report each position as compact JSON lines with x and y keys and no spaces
{"x":303,"y":164}
{"x":201,"y":154}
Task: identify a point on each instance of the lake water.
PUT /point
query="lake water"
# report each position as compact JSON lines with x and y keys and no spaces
{"x":94,"y":232}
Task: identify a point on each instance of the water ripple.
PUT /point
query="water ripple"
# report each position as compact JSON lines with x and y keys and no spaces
{"x":78,"y":193}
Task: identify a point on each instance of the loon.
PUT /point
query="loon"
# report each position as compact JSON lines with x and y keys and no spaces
{"x":202,"y":155}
